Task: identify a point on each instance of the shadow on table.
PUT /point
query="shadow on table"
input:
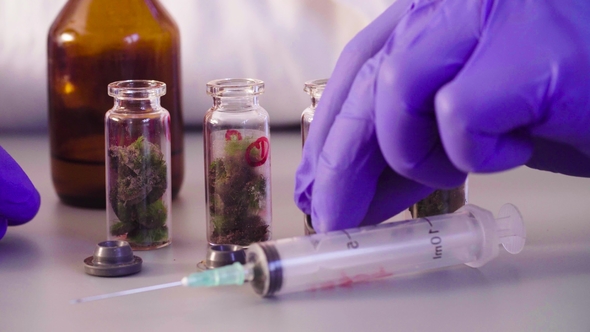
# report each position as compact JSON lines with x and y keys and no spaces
{"x":18,"y":253}
{"x":79,"y":223}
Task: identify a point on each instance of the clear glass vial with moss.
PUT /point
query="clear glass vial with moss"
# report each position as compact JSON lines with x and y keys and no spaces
{"x":237,"y":163}
{"x":314,"y":89}
{"x":138,"y":171}
{"x":441,"y":201}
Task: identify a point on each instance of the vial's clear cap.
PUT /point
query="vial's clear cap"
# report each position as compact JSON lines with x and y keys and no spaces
{"x":315,"y":88}
{"x":235,"y":87}
{"x":136,"y":89}
{"x":510,"y":228}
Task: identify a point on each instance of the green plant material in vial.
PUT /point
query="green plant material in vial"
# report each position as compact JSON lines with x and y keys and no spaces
{"x":139,"y":182}
{"x":237,"y":195}
{"x":146,"y":235}
{"x":439,"y":202}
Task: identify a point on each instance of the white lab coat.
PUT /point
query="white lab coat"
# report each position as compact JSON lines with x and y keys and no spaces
{"x":283,"y":42}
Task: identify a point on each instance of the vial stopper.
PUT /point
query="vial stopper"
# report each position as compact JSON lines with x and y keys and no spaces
{"x":219,"y":255}
{"x":112,"y":259}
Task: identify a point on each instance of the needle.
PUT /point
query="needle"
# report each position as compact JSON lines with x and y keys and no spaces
{"x":126,"y":292}
{"x":234,"y":274}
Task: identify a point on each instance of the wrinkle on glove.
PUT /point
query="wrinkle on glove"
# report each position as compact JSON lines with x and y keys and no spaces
{"x":444,"y":88}
{"x":19,"y":200}
{"x":526,"y":82}
{"x":479,"y":86}
{"x":416,"y":62}
{"x":350,"y":162}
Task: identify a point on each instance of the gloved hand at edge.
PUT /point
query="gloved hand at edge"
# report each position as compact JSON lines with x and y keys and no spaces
{"x":19,"y":200}
{"x":361,"y":178}
{"x":435,"y":89}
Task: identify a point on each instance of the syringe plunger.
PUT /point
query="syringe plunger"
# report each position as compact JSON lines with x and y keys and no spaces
{"x":508,"y":230}
{"x":511,"y":229}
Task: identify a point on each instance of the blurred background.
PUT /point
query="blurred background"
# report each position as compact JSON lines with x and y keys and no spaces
{"x":283,"y":42}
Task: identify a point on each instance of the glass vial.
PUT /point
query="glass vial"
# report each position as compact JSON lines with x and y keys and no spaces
{"x":237,"y":163}
{"x":441,"y":202}
{"x":314,"y":89}
{"x":90,"y":44}
{"x":138,"y":171}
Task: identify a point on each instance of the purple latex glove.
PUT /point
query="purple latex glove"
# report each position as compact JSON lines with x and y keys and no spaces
{"x":19,"y":200}
{"x":435,"y":89}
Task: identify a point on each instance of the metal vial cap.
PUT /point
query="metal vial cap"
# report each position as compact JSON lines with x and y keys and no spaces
{"x":112,"y":259}
{"x":223,"y":254}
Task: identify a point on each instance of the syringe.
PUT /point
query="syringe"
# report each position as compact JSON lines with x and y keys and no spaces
{"x":336,"y":259}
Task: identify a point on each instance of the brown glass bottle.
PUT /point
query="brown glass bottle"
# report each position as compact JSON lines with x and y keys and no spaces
{"x":91,"y":44}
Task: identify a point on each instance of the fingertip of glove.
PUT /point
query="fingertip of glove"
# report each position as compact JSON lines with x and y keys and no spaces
{"x":27,"y":209}
{"x":3,"y":227}
{"x":301,"y":193}
{"x":302,"y":202}
{"x":304,"y":183}
{"x":319,"y":227}
{"x":33,"y":205}
{"x":19,"y":200}
{"x":325,"y":221}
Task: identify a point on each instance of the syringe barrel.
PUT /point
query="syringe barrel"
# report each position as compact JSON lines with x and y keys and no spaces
{"x":338,"y":259}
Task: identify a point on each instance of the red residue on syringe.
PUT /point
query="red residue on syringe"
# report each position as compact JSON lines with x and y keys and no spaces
{"x":346,"y":281}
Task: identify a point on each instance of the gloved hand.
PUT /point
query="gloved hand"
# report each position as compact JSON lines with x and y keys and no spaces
{"x":435,"y":89}
{"x":19,"y":200}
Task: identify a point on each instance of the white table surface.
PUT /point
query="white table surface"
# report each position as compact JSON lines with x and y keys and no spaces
{"x":544,"y":288}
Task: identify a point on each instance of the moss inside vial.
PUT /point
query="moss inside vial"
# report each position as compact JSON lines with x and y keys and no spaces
{"x":439,"y":202}
{"x":238,"y":193}
{"x":139,"y":181}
